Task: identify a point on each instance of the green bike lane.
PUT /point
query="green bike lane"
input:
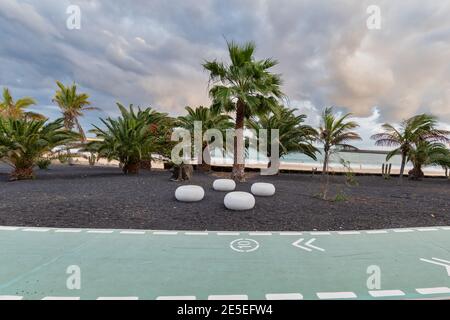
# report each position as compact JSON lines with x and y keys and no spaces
{"x":36,"y":263}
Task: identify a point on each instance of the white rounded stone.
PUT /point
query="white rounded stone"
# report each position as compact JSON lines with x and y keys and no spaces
{"x":239,"y":201}
{"x":224,"y":185}
{"x":263,"y":189}
{"x":189,"y":193}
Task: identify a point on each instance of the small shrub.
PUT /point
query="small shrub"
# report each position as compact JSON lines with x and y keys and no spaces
{"x":340,"y":196}
{"x":43,"y":163}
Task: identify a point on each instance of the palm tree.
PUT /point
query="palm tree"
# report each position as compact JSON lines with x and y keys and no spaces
{"x":244,"y":87}
{"x":294,"y":136}
{"x":335,"y":131}
{"x":72,"y":105}
{"x":23,"y":142}
{"x":210,"y":119}
{"x":16,"y":109}
{"x":411,"y":131}
{"x":132,"y":137}
{"x":427,"y":153}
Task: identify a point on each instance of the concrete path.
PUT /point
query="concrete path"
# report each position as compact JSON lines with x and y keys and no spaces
{"x":44,"y":263}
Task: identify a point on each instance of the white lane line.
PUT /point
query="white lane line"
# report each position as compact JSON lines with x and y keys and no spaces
{"x":196,"y":233}
{"x":100,"y":231}
{"x":61,"y":298}
{"x":8,"y":228}
{"x":165,"y":233}
{"x":132,"y":232}
{"x":320,"y":233}
{"x":402,"y":230}
{"x":284,"y":296}
{"x":260,"y":233}
{"x":118,"y":298}
{"x":35,"y":230}
{"x":68,"y":230}
{"x":426,"y":229}
{"x":445,"y":228}
{"x":176,"y":298}
{"x":11,"y":297}
{"x":336,"y":295}
{"x":386,"y":293}
{"x":348,"y":232}
{"x":376,"y":231}
{"x":228,"y":233}
{"x":228,"y":297}
{"x":287,"y":233}
{"x":437,"y":290}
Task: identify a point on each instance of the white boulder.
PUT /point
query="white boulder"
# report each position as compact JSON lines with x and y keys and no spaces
{"x":263,"y":189}
{"x":189,"y":193}
{"x":239,"y":201}
{"x":224,"y":185}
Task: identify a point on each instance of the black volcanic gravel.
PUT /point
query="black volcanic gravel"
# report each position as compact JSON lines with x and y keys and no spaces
{"x":101,"y":197}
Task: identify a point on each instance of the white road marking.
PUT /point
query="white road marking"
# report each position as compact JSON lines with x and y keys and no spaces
{"x":426,"y":229}
{"x":307,"y":246}
{"x":11,"y":297}
{"x":284,"y":296}
{"x":196,"y":233}
{"x":176,"y":298}
{"x":320,"y":233}
{"x":386,"y":293}
{"x":260,"y":233}
{"x":348,"y":232}
{"x":228,"y":233}
{"x":376,"y":231}
{"x":336,"y":295}
{"x":439,"y":262}
{"x":445,"y":228}
{"x":8,"y":228}
{"x":165,"y":233}
{"x":403,"y":230}
{"x":100,"y":231}
{"x":228,"y":297}
{"x":287,"y":233}
{"x":35,"y":230}
{"x":437,"y":290}
{"x":61,"y":298}
{"x":132,"y":232}
{"x":118,"y":298}
{"x":68,"y":230}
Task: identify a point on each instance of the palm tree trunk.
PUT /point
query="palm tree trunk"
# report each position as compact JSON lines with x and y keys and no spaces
{"x":238,"y":173}
{"x":23,"y":173}
{"x":325,"y":160}
{"x":131,"y":168}
{"x":402,"y":167}
{"x":206,"y":159}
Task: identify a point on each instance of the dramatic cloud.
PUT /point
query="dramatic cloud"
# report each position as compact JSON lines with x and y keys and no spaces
{"x":150,"y":53}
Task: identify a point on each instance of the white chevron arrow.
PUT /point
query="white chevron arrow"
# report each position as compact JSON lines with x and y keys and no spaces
{"x":439,"y":262}
{"x":307,"y":246}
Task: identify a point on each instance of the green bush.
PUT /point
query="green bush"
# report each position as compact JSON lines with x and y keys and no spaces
{"x":43,"y":163}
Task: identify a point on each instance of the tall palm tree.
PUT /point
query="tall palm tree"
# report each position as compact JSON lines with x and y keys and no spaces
{"x":16,"y":109}
{"x":72,"y":105}
{"x":411,"y":131}
{"x":294,"y":135}
{"x":336,"y":132}
{"x":245,"y":87}
{"x":210,"y":119}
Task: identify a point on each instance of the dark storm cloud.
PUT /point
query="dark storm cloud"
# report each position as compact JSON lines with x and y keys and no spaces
{"x":150,"y":52}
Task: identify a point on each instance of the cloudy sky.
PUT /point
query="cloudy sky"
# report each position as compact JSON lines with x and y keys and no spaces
{"x":149,"y":53}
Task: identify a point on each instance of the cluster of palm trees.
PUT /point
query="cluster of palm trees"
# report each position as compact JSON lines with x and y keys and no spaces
{"x":245,"y":94}
{"x":25,"y":136}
